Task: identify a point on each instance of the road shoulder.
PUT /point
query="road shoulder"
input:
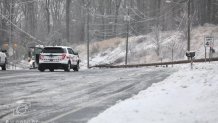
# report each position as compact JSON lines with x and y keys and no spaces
{"x":186,"y":96}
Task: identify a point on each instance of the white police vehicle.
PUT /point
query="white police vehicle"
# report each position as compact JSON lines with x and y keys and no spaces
{"x":58,"y":57}
{"x":3,"y":59}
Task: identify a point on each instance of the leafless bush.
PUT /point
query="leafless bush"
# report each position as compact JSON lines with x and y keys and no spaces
{"x":157,"y":39}
{"x":95,"y":49}
{"x":140,"y":40}
{"x":119,"y":60}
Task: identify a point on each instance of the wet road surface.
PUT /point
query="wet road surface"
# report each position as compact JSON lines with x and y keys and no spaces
{"x":69,"y":97}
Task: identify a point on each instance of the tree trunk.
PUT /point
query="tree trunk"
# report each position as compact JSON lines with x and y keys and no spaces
{"x":68,"y":20}
{"x":48,"y":15}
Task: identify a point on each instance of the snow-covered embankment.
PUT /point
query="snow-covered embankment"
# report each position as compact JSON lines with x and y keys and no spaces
{"x":187,"y":96}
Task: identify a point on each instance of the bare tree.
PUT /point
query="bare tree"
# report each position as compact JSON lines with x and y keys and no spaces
{"x":49,"y":18}
{"x":156,"y":39}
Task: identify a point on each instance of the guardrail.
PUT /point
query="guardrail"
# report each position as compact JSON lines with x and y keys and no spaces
{"x":153,"y":64}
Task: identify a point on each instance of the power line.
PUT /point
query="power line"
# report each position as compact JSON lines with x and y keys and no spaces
{"x":27,"y":2}
{"x":29,"y":35}
{"x":143,"y":14}
{"x":141,"y":21}
{"x":107,"y":24}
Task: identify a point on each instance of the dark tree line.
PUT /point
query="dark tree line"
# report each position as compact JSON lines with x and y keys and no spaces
{"x":65,"y":21}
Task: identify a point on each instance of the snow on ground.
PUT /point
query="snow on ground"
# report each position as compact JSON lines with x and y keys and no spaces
{"x":142,"y":48}
{"x":187,"y":96}
{"x":21,"y":65}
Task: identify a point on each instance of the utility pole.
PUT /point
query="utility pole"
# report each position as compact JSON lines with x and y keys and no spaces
{"x":127,"y":18}
{"x":189,"y":25}
{"x":87,"y":35}
{"x":10,"y":47}
{"x":172,"y":55}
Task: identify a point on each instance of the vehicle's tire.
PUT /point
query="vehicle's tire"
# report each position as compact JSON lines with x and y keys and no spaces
{"x":41,"y":69}
{"x":67,"y":67}
{"x":51,"y":70}
{"x":4,"y":67}
{"x":76,"y":68}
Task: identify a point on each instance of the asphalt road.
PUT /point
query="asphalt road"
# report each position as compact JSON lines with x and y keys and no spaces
{"x":69,"y":97}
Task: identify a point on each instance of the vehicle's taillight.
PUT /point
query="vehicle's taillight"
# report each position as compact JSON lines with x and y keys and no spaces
{"x":63,"y":56}
{"x":41,"y":57}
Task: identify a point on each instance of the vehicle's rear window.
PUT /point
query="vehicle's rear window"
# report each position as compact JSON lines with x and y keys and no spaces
{"x":53,"y":50}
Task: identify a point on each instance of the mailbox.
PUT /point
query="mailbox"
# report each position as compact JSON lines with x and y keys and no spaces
{"x":190,"y":54}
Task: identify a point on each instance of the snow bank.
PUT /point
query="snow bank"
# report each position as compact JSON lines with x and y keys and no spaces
{"x":187,"y":96}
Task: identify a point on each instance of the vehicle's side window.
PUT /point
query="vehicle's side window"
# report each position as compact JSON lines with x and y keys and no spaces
{"x":69,"y":51}
{"x":72,"y":51}
{"x":65,"y":50}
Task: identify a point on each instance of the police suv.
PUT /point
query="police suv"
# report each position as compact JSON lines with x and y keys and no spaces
{"x":58,"y":57}
{"x":3,"y":60}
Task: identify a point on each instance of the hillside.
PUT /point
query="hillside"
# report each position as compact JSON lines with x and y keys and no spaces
{"x":142,"y":48}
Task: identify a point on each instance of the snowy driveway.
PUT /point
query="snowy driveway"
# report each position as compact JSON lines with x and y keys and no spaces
{"x":74,"y":97}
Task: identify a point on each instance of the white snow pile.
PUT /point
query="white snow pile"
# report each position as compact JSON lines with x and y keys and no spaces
{"x":187,"y":96}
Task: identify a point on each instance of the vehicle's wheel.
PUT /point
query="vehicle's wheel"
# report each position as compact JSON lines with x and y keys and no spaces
{"x":51,"y":70}
{"x":67,"y":68}
{"x":4,"y":67}
{"x":41,"y":69}
{"x":76,"y":68}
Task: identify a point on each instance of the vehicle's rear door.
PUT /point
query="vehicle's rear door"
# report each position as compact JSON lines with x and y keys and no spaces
{"x":53,"y":54}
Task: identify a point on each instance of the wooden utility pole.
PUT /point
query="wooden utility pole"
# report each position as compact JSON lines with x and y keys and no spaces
{"x":127,"y":36}
{"x":68,"y":2}
{"x":189,"y":26}
{"x":48,"y":15}
{"x":10,"y":46}
{"x":87,"y":33}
